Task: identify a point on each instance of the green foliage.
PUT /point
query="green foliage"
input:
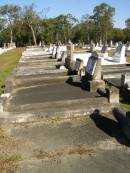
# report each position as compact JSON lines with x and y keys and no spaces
{"x":127,"y":22}
{"x":27,"y":26}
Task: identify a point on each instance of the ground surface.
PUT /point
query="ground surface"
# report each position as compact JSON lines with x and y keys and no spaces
{"x":90,"y":144}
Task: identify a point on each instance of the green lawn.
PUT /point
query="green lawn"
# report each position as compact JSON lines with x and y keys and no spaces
{"x":8,"y":62}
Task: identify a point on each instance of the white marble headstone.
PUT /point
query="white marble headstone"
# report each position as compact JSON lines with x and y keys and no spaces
{"x":120,"y":54}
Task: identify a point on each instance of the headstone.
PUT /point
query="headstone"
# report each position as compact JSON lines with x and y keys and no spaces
{"x":92,"y":61}
{"x":113,"y":95}
{"x":120,"y":54}
{"x":40,"y":44}
{"x":104,"y":49}
{"x":69,"y":59}
{"x":8,"y":45}
{"x":93,"y":69}
{"x":58,"y":55}
{"x":100,"y":43}
{"x":116,"y":45}
{"x":78,"y":66}
{"x":125,"y":81}
{"x":111,"y":44}
{"x":92,"y":47}
{"x":54,"y":52}
{"x":4,"y":45}
{"x":97,"y":45}
{"x":63,"y":56}
{"x":104,"y":52}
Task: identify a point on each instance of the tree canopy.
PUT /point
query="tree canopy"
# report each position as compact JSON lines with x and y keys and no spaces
{"x":27,"y":26}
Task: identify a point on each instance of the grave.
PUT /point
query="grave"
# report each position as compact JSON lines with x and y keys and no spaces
{"x":42,"y":116}
{"x":118,"y":58}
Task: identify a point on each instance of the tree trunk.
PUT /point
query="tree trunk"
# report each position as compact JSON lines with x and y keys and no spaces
{"x":11,"y":36}
{"x":34,"y":37}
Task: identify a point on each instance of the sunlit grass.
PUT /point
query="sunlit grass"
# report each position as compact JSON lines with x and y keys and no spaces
{"x":8,"y":62}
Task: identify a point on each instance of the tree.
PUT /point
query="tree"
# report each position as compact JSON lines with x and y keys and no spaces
{"x":8,"y":14}
{"x":31,"y":18}
{"x":127,"y":22}
{"x":103,"y":16}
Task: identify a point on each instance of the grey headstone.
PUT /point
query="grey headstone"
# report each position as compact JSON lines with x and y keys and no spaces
{"x":119,"y":47}
{"x":92,"y":63}
{"x":78,"y":65}
{"x":104,"y":49}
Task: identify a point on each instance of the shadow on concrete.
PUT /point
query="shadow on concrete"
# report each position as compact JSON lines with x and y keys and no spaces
{"x":79,"y":83}
{"x":72,"y":82}
{"x":110,"y":127}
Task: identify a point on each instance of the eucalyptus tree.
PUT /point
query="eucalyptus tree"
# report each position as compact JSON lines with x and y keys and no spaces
{"x":103,"y":16}
{"x":8,"y":14}
{"x":32,"y":19}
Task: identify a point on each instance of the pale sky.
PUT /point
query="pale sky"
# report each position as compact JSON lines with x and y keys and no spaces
{"x":78,"y":7}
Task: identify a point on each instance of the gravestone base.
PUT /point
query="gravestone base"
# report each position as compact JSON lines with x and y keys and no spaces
{"x":95,"y":84}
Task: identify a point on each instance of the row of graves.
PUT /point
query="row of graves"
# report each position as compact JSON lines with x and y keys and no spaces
{"x":58,"y":77}
{"x":58,"y":107}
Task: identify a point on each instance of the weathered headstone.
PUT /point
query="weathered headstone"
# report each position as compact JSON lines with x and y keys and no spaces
{"x":104,"y":51}
{"x":120,"y":54}
{"x":113,"y":95}
{"x":125,"y":81}
{"x":111,"y":44}
{"x":78,"y":66}
{"x":4,"y":45}
{"x":54,"y":52}
{"x":93,"y":69}
{"x":92,"y":47}
{"x":69,"y":59}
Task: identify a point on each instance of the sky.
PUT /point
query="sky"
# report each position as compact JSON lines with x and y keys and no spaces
{"x":77,"y":7}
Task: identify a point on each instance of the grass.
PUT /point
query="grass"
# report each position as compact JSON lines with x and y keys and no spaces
{"x":8,"y":62}
{"x":9,"y":158}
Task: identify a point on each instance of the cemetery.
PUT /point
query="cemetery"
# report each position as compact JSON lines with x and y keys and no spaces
{"x":64,"y":96}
